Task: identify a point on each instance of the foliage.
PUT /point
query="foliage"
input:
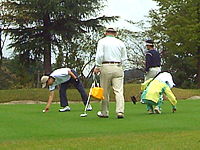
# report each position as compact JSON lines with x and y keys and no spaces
{"x":7,"y":79}
{"x":84,"y":55}
{"x":135,"y":44}
{"x":43,"y":27}
{"x":18,"y":76}
{"x":182,"y":69}
{"x":133,"y":75}
{"x":175,"y":26}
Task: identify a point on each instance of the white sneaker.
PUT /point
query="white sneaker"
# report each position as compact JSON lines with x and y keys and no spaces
{"x":157,"y":110}
{"x":99,"y":114}
{"x":67,"y":108}
{"x":141,"y":101}
{"x":89,"y":108}
{"x":151,"y":111}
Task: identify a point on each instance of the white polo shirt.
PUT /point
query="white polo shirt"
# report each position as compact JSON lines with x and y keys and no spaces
{"x":110,"y":49}
{"x":60,"y":75}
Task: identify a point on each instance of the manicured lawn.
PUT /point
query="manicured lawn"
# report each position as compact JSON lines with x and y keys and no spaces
{"x":26,"y":127}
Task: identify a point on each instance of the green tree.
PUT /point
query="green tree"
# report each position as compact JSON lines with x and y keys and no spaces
{"x":85,"y":49}
{"x":43,"y":26}
{"x":176,"y":28}
{"x":3,"y":37}
{"x":135,"y":45}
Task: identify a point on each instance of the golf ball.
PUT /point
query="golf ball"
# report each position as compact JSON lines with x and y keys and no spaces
{"x":43,"y":111}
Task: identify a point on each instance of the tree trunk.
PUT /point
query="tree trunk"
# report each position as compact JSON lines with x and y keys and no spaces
{"x":198,"y":66}
{"x":1,"y":53}
{"x":47,"y":46}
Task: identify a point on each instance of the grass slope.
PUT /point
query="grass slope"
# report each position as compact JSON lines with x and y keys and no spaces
{"x":26,"y":127}
{"x":73,"y":95}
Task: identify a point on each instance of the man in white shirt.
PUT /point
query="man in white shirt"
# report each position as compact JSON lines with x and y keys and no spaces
{"x":110,"y":58}
{"x":63,"y":77}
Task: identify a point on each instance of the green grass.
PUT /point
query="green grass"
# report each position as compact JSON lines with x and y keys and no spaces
{"x":26,"y":127}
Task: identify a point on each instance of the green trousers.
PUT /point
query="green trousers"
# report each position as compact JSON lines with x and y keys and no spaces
{"x":150,"y":104}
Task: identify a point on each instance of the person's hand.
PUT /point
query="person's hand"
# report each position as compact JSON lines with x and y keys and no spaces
{"x":96,"y":70}
{"x":174,"y":109}
{"x":77,"y":80}
{"x":46,"y":109}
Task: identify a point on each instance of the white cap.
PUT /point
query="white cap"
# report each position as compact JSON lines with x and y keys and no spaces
{"x":167,"y":78}
{"x":44,"y":81}
{"x":149,"y":42}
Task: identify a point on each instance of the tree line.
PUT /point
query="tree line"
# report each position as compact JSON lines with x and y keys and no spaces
{"x":72,"y":28}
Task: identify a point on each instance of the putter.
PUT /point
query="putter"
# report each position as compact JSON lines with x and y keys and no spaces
{"x":85,"y":110}
{"x":133,"y":98}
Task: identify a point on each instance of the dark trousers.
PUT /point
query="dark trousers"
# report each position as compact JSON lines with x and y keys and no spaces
{"x":64,"y":86}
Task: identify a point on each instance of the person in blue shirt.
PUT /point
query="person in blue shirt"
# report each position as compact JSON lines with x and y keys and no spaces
{"x":153,"y":60}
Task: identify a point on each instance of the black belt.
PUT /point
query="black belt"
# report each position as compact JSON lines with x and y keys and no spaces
{"x":110,"y":62}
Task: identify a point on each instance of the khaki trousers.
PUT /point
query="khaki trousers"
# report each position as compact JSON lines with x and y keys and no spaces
{"x":112,"y":75}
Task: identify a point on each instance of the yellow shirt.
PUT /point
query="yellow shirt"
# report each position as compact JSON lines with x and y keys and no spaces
{"x":155,"y":90}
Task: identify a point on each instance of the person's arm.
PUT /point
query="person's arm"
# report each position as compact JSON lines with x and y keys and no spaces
{"x":72,"y":75}
{"x":99,"y":55}
{"x":77,"y":81}
{"x":123,"y":56}
{"x":51,"y":97}
{"x":148,"y":61}
{"x":170,"y":96}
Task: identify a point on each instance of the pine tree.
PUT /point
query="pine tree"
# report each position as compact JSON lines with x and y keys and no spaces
{"x":39,"y":27}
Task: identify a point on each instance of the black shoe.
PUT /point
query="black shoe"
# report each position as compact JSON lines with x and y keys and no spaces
{"x":120,"y":115}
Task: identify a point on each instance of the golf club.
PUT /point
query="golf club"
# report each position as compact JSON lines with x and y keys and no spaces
{"x":85,"y":110}
{"x":133,"y":98}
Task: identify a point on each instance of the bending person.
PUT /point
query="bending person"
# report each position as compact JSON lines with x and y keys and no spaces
{"x":64,"y":77}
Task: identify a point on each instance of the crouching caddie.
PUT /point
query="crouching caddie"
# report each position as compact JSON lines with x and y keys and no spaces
{"x":153,"y":90}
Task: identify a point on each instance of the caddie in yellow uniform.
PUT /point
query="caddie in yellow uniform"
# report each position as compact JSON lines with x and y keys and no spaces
{"x":153,"y":89}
